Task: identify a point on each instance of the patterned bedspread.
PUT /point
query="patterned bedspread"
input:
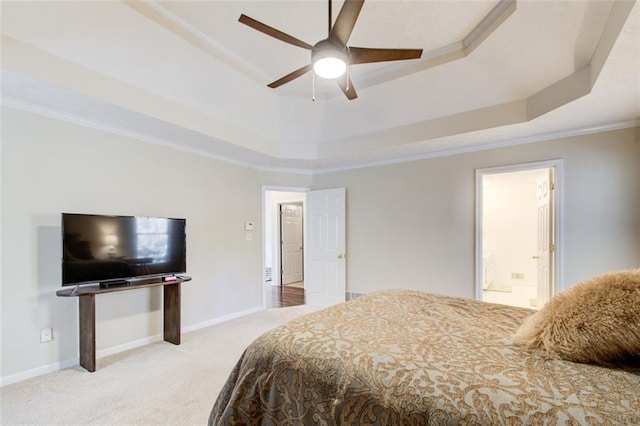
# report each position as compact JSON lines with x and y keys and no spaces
{"x":405,"y":357}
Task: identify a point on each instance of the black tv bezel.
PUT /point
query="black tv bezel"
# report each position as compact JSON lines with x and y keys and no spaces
{"x":119,"y":279}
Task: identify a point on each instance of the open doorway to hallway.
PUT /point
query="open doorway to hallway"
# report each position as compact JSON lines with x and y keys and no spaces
{"x":516,"y":219}
{"x":283,"y":251}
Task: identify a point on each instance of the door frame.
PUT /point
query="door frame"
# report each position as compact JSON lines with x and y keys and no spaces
{"x":265,"y":188}
{"x":302,"y":224}
{"x":558,"y":194}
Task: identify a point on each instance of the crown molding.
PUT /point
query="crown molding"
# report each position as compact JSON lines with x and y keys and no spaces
{"x":17,"y":104}
{"x":541,"y":137}
{"x":182,"y":29}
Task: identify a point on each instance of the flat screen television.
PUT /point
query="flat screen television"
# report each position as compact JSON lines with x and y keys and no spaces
{"x":116,"y":249}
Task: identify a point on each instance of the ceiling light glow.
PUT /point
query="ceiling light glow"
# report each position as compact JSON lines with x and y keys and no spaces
{"x":328,"y":62}
{"x":329,"y":67}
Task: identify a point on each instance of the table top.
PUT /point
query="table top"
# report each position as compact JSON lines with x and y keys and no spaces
{"x":83,"y":290}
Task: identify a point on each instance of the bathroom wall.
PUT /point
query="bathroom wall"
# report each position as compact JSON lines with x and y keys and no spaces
{"x":510,"y":226}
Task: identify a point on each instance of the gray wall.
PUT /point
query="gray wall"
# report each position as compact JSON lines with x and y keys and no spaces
{"x":411,"y":225}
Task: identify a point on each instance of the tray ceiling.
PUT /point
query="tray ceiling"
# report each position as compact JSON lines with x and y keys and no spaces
{"x":187,"y":74}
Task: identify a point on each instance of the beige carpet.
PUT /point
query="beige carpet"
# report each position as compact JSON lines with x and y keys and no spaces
{"x":158,"y":384}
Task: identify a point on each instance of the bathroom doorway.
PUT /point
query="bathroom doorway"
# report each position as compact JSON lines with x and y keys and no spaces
{"x":517,"y":234}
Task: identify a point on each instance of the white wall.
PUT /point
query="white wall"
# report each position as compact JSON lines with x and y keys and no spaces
{"x":49,"y":167}
{"x":510,"y":223}
{"x":411,"y":225}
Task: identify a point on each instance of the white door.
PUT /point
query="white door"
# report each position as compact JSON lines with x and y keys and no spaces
{"x":546,"y":247}
{"x":325,"y":275}
{"x":291,"y":243}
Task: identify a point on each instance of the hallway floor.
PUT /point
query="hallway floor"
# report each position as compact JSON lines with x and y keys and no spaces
{"x":284,"y":296}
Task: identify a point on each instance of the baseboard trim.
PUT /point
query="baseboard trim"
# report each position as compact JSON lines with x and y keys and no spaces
{"x":219,"y":320}
{"x":38,"y":371}
{"x":128,"y":346}
{"x":56,"y":366}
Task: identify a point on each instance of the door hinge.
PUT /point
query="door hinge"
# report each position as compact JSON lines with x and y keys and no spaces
{"x":552,"y":247}
{"x":552,"y":185}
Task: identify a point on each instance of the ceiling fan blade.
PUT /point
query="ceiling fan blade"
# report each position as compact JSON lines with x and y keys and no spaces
{"x":351,"y":92}
{"x":365,"y":55}
{"x":291,"y":76}
{"x":270,"y":31}
{"x":345,"y":22}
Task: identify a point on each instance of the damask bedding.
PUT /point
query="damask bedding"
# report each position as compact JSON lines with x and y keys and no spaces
{"x":406,"y":357}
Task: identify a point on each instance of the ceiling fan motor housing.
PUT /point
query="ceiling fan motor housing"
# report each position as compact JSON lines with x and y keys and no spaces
{"x":331,"y":57}
{"x":329,"y":60}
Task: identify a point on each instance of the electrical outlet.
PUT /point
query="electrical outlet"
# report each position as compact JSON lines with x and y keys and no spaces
{"x":46,"y":335}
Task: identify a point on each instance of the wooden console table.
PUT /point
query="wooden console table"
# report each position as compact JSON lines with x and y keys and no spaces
{"x":87,"y":305}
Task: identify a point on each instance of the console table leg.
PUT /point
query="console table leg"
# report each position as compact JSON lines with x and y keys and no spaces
{"x":172,"y":313}
{"x":88,"y":331}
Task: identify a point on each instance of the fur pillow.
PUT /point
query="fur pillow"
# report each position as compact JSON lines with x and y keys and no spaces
{"x":594,"y":322}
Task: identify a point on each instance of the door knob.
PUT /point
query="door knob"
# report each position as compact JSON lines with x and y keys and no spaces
{"x":535,"y":257}
{"x":341,"y":255}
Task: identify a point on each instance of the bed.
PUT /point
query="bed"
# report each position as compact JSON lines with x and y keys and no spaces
{"x":412,"y":358}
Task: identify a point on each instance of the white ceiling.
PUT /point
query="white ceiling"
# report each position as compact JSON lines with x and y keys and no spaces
{"x":186,"y":74}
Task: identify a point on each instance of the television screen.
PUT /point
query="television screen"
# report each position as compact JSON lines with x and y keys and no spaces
{"x":97,"y":248}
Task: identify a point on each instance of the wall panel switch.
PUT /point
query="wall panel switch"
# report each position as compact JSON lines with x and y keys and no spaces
{"x":46,"y":335}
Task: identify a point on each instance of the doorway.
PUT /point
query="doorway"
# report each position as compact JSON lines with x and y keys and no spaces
{"x":273,"y":200}
{"x":517,"y":233}
{"x":291,"y":245}
{"x":324,"y":232}
{"x":275,"y":294}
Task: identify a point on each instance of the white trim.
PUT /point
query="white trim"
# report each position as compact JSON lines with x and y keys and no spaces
{"x":219,"y":320}
{"x":83,"y":122}
{"x":489,"y":145}
{"x":128,"y":346}
{"x":219,"y":51}
{"x":483,"y":29}
{"x":38,"y":371}
{"x":558,"y":165}
{"x":50,"y":368}
{"x":13,"y":103}
{"x":292,"y":170}
{"x":442,"y":55}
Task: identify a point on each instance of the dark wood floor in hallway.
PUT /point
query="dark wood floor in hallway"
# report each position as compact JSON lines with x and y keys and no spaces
{"x":283,"y":296}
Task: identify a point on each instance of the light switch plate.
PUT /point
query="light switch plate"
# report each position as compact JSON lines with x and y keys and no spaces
{"x":248,"y":236}
{"x":46,"y":335}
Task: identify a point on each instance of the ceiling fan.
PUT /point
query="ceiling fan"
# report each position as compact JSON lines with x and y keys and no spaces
{"x":331,"y":57}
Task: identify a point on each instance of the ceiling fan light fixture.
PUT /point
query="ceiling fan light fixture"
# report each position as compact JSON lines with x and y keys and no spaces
{"x":329,"y":62}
